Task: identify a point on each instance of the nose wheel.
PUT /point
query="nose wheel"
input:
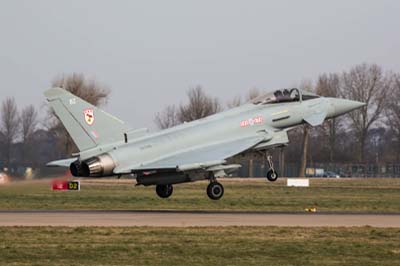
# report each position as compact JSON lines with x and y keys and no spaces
{"x":164,"y":191}
{"x":272,"y":175}
{"x":215,"y":190}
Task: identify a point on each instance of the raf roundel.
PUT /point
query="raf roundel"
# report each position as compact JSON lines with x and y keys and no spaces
{"x":89,"y":116}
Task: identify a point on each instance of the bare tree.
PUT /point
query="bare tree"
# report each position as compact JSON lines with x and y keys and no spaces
{"x":200,"y":105}
{"x":167,"y":118}
{"x":9,"y":126}
{"x":306,"y":85}
{"x":235,"y":102}
{"x":329,"y":86}
{"x":365,"y":83}
{"x":89,"y":90}
{"x":393,"y":112}
{"x":252,"y":94}
{"x":304,"y":150}
{"x":28,"y":118}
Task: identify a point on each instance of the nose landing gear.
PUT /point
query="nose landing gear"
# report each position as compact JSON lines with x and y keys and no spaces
{"x":272,"y":175}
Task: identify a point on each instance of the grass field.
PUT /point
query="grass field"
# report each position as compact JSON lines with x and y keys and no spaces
{"x":199,"y":246}
{"x":206,"y":245}
{"x":355,"y":195}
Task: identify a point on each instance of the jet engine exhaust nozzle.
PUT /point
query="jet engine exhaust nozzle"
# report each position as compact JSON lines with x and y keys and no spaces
{"x":102,"y":165}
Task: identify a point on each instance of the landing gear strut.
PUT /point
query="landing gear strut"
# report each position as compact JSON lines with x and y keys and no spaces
{"x":164,"y":191}
{"x":272,"y":175}
{"x":215,"y":190}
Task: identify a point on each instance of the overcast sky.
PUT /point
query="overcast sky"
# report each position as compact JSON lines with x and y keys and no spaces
{"x":150,"y":52}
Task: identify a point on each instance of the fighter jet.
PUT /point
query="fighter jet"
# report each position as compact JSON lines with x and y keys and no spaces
{"x":192,"y":151}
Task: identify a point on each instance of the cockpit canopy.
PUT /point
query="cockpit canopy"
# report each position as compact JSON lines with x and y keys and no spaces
{"x":284,"y":95}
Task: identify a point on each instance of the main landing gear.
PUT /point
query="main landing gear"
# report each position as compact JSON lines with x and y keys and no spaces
{"x":164,"y":191}
{"x":215,"y":190}
{"x":272,"y":175}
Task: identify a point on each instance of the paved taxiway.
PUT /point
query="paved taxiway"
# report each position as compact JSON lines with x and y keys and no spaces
{"x":187,"y":218}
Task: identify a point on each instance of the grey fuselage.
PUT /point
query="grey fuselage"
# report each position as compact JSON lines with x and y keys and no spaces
{"x":240,"y":122}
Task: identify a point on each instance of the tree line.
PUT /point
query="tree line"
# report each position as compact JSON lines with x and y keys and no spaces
{"x":369,"y":134}
{"x":26,"y":140}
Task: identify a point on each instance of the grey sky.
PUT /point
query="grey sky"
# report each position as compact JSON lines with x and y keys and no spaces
{"x":150,"y":52}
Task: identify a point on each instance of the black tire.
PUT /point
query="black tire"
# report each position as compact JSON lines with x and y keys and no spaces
{"x":164,"y":191}
{"x":272,"y":175}
{"x":215,"y":190}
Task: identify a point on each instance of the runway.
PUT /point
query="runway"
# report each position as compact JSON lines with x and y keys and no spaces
{"x":194,"y":218}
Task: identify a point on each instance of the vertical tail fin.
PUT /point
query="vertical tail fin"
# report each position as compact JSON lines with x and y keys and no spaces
{"x":87,"y":125}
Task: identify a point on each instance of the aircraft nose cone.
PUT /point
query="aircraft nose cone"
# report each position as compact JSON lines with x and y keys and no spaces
{"x":343,"y":106}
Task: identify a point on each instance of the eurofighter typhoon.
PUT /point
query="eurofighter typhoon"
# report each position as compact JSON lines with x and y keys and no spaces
{"x":191,"y":151}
